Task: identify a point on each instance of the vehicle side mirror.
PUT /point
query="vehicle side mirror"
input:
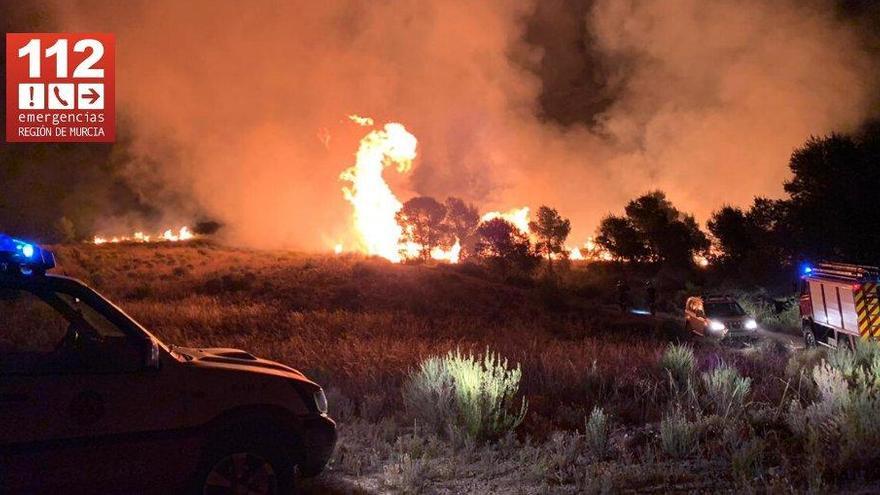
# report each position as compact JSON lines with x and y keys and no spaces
{"x":151,"y":355}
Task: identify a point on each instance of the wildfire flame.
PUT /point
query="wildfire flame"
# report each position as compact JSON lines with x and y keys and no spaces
{"x":169,"y":235}
{"x":519,"y":217}
{"x":361,"y":121}
{"x":374,"y":203}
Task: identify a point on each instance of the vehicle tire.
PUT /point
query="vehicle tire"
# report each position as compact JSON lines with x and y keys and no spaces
{"x":809,"y":336}
{"x":246,"y":463}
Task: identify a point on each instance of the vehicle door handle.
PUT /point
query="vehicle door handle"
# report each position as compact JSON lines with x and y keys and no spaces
{"x":7,"y":398}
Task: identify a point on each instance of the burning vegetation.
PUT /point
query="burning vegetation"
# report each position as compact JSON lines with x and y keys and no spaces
{"x":425,"y":229}
{"x":169,"y":235}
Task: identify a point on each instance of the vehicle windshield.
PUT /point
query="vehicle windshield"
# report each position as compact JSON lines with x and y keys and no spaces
{"x":724,"y":309}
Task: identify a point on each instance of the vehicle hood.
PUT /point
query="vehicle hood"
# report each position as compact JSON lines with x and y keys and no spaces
{"x":229,"y":358}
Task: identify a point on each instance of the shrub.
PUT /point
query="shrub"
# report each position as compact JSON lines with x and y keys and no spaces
{"x":784,"y":315}
{"x":841,"y":424}
{"x":746,"y":460}
{"x":429,"y":395}
{"x":561,"y":458}
{"x":678,"y":360}
{"x":407,"y":475}
{"x":466,"y":393}
{"x":678,"y":436}
{"x":726,"y":390}
{"x":485,"y":392}
{"x":596,"y":432}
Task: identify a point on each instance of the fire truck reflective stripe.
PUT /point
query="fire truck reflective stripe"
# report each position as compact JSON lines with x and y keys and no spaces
{"x":872,"y":305}
{"x":862,"y":313}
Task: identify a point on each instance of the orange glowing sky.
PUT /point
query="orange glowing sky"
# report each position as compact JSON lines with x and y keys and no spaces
{"x":703,"y":100}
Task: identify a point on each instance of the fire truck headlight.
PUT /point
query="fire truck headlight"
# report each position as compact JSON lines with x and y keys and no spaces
{"x":716,"y":326}
{"x":751,"y":324}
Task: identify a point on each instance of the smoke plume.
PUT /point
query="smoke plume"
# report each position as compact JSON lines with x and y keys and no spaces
{"x":578,"y":105}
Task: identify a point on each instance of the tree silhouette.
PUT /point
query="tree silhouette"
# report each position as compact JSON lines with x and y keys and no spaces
{"x":653,"y":230}
{"x":551,"y":230}
{"x":461,"y":221}
{"x":621,"y":239}
{"x":421,"y":219}
{"x":832,"y":212}
{"x":504,"y":247}
{"x":733,"y":233}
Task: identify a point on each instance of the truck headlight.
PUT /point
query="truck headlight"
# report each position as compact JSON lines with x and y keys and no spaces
{"x":751,"y":324}
{"x":716,"y":326}
{"x":321,"y":401}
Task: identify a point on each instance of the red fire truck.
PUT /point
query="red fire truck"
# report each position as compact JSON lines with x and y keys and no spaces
{"x":839,"y":304}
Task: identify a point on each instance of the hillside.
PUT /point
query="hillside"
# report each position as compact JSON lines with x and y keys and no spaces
{"x":360,"y":326}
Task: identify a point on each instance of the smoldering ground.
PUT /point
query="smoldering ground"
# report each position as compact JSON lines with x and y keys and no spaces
{"x":577,"y":104}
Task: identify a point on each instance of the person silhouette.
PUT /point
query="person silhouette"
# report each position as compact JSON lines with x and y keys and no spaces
{"x":651,"y":296}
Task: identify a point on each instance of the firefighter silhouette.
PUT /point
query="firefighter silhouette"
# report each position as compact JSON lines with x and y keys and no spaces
{"x":651,"y":297}
{"x":623,"y":298}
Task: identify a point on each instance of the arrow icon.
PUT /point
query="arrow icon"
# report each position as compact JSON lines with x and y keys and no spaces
{"x":91,"y":95}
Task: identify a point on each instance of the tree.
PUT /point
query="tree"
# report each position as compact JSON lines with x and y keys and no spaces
{"x":653,"y":230}
{"x":551,"y":230}
{"x":461,"y":221}
{"x":670,"y":235}
{"x":421,"y":219}
{"x":621,"y":239}
{"x":832,"y":212}
{"x":504,"y":247}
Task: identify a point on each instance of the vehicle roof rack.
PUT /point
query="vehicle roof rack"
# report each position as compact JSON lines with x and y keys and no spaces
{"x":19,"y":257}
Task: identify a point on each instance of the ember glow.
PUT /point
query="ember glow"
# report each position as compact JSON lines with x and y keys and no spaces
{"x":169,"y":235}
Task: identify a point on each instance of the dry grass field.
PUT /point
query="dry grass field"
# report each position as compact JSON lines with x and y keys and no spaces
{"x":360,"y":326}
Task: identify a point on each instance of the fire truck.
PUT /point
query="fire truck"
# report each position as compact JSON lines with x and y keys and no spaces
{"x":839,"y":304}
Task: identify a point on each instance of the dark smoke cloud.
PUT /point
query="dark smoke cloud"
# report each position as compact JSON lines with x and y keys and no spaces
{"x":577,"y":105}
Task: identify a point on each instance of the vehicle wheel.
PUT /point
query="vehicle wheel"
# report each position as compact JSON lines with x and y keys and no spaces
{"x":251,"y":466}
{"x":241,"y":472}
{"x":809,"y":336}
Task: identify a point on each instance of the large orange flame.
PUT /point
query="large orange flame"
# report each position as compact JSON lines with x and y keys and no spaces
{"x":374,"y":203}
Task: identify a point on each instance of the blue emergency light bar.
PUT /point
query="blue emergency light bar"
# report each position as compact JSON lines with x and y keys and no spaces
{"x":17,"y":256}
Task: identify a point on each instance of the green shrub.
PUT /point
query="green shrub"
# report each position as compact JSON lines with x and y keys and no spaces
{"x":766,"y":315}
{"x":725,"y":390}
{"x":466,"y":393}
{"x":429,"y":395}
{"x":596,"y":432}
{"x":678,"y":436}
{"x":841,"y":424}
{"x":678,"y":360}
